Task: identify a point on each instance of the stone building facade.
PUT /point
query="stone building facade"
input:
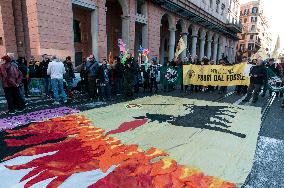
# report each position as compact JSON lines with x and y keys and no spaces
{"x":256,"y":31}
{"x":81,"y":27}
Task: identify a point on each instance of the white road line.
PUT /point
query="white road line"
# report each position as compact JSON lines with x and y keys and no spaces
{"x":240,"y":100}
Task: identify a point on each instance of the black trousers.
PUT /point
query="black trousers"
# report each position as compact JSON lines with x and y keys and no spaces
{"x":14,"y":98}
{"x":153,"y":83}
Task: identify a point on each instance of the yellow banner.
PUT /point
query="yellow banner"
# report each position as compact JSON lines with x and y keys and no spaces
{"x":216,"y":75}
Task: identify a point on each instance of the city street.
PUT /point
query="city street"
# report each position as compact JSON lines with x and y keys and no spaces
{"x":264,"y":169}
{"x":141,"y":94}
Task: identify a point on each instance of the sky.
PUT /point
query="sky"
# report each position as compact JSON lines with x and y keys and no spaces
{"x":274,"y":10}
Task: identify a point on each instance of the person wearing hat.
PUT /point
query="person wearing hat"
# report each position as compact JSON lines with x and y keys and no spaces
{"x":11,"y":78}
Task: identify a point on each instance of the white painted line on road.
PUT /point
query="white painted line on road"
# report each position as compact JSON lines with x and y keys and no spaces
{"x":240,"y":100}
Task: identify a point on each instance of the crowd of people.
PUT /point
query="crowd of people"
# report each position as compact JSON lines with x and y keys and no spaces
{"x":103,"y":80}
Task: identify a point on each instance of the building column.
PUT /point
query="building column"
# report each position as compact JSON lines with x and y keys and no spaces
{"x":209,"y":42}
{"x":202,"y":44}
{"x":125,"y":30}
{"x":234,"y":50}
{"x":194,"y":41}
{"x":145,"y":36}
{"x":162,"y":51}
{"x":184,"y":37}
{"x":94,"y":32}
{"x":215,"y":50}
{"x":172,"y":41}
{"x":220,"y":48}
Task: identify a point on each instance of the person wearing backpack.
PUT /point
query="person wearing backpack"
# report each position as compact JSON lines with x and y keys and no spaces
{"x":92,"y":67}
{"x":11,"y":78}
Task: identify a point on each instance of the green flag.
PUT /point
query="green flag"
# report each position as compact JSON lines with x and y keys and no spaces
{"x":274,"y":82}
{"x":171,"y":75}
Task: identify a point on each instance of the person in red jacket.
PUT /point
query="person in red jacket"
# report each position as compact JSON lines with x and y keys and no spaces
{"x":11,"y":78}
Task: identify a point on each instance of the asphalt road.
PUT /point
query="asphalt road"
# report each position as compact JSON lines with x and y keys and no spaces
{"x":268,"y":168}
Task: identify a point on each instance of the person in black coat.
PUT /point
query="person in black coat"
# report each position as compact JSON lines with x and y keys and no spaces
{"x":118,"y":75}
{"x":104,"y":75}
{"x":258,"y":75}
{"x":128,"y":79}
{"x":43,"y":74}
{"x":34,"y":69}
{"x":22,"y":64}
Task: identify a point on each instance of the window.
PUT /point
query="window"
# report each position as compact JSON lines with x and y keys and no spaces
{"x":222,"y":8}
{"x":250,"y":46}
{"x":252,"y":28}
{"x":242,"y":47}
{"x":253,"y":19}
{"x":211,"y":3}
{"x":245,"y":20}
{"x":251,"y":37}
{"x":139,"y":5}
{"x":77,"y":30}
{"x":1,"y":41}
{"x":241,"y":13}
{"x":217,"y":6}
{"x":241,"y":21}
{"x":254,"y":10}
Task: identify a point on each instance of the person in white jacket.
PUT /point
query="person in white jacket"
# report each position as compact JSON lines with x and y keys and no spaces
{"x":56,"y":70}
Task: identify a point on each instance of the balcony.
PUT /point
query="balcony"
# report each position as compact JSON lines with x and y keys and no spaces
{"x":197,"y":15}
{"x":235,"y":27}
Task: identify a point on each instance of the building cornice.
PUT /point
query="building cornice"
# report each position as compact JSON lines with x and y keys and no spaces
{"x":85,"y":3}
{"x":198,"y":16}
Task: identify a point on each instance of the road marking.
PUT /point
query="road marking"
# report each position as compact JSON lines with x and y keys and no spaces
{"x":240,"y":100}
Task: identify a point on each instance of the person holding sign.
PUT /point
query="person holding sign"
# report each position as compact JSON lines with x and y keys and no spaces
{"x":257,"y":77}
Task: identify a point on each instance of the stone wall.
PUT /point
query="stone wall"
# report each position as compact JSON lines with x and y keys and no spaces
{"x":7,"y":28}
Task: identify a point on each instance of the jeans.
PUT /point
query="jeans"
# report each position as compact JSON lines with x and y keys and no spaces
{"x":57,"y":86}
{"x":47,"y":85}
{"x":14,"y":99}
{"x":106,"y":91}
{"x":118,"y":85}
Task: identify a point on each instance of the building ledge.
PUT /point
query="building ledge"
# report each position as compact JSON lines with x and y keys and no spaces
{"x":85,"y":3}
{"x":237,"y":28}
{"x":197,"y":15}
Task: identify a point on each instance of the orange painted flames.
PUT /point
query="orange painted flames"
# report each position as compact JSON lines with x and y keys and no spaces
{"x":81,"y":148}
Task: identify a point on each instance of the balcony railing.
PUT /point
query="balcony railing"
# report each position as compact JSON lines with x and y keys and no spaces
{"x":236,"y":27}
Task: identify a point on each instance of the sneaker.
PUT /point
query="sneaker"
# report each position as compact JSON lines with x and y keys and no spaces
{"x":56,"y":103}
{"x":20,"y":110}
{"x":11,"y":112}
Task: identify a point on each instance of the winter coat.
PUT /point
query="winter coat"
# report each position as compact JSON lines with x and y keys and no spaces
{"x":258,"y":74}
{"x":69,"y":75}
{"x":43,"y":69}
{"x":10,"y":75}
